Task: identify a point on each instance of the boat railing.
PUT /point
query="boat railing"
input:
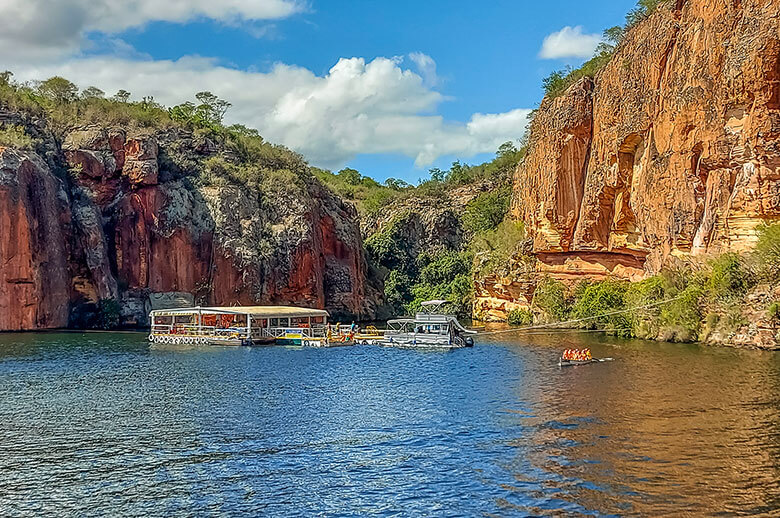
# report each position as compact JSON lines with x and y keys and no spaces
{"x":306,"y":332}
{"x":182,"y":329}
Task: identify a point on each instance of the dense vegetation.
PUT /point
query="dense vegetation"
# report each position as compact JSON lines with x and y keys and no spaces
{"x":559,"y":80}
{"x":686,"y":304}
{"x":440,"y":273}
{"x":370,"y":196}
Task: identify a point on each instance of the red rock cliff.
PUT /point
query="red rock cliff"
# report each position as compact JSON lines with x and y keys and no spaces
{"x":34,"y":238}
{"x":130,"y":225}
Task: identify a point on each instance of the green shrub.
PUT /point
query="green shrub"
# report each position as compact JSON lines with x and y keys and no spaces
{"x":767,"y":253}
{"x":398,"y":290}
{"x":486,"y":211}
{"x":643,"y":9}
{"x":596,"y":302}
{"x":681,"y":317}
{"x":496,"y":247}
{"x":729,"y":279}
{"x":367,"y":194}
{"x":108,"y":313}
{"x":774,"y":310}
{"x":520,"y":317}
{"x":390,"y":249}
{"x":16,"y":137}
{"x":445,"y":276}
{"x":550,"y":298}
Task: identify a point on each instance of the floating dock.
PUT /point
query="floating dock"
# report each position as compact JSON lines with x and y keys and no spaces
{"x":242,"y":325}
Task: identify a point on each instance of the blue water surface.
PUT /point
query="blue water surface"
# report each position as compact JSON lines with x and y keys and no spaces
{"x":96,"y":424}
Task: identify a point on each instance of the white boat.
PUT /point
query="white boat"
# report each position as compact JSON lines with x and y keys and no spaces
{"x":431,"y":328}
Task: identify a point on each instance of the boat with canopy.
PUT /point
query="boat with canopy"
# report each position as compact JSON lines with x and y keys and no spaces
{"x":431,"y":328}
{"x":240,"y":325}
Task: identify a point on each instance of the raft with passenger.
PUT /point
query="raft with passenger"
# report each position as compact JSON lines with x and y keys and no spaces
{"x":578,"y":357}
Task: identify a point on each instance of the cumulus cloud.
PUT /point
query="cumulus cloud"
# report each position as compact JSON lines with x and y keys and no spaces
{"x":38,"y":28}
{"x":569,"y":42}
{"x":358,"y":107}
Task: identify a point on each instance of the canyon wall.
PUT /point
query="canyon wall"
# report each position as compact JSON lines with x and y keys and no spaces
{"x":671,"y":153}
{"x":114,"y":216}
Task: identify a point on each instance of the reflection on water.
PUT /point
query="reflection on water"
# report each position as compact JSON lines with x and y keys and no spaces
{"x":98,"y":423}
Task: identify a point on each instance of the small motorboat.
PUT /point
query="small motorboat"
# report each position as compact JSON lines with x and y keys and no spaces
{"x":431,"y":328}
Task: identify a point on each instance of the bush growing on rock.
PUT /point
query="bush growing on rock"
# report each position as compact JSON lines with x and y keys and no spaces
{"x":767,"y":253}
{"x":445,"y":276}
{"x":729,"y":278}
{"x":16,"y":137}
{"x":774,"y":310}
{"x":108,"y":313}
{"x":598,"y":302}
{"x":551,"y":299}
{"x":494,"y":249}
{"x":486,"y":212}
{"x":520,"y":317}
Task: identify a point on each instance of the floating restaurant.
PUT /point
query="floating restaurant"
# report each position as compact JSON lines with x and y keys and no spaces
{"x":241,"y":325}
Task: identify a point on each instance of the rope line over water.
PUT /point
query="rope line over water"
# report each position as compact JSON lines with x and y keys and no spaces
{"x":577,"y":320}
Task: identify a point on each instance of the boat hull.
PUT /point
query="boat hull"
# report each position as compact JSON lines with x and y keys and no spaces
{"x":571,"y":363}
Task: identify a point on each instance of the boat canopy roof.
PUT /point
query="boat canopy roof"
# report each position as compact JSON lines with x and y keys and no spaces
{"x":255,"y":311}
{"x":434,"y":302}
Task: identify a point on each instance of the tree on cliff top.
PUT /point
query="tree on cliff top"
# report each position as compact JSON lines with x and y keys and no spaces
{"x":643,"y":9}
{"x":58,"y":89}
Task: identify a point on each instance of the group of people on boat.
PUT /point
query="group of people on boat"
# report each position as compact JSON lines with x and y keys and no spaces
{"x":338,"y":334}
{"x":579,"y":355}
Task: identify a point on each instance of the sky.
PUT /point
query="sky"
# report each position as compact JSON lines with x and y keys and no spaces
{"x":389,"y":88}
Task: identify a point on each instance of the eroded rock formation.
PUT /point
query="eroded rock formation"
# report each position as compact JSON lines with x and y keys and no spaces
{"x":35,"y":222}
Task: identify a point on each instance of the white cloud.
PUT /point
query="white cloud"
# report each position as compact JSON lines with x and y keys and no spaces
{"x":569,"y":42}
{"x":37,"y":28}
{"x":426,"y":67}
{"x":357,"y":107}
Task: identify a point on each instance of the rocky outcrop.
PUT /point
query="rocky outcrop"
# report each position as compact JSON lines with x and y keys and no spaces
{"x":427,"y":223}
{"x":498,"y":293}
{"x":673,"y":151}
{"x":130,"y":222}
{"x":34,"y":244}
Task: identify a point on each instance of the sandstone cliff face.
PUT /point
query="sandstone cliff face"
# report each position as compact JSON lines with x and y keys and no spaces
{"x":129,"y":225}
{"x":673,"y":152}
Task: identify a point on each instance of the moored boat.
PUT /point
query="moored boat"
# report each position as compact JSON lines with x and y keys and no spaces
{"x":238,"y":325}
{"x":431,"y":328}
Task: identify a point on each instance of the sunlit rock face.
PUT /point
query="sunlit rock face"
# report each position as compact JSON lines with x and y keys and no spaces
{"x":673,"y":151}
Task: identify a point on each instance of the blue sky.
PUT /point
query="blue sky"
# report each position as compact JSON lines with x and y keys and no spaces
{"x":486,"y":58}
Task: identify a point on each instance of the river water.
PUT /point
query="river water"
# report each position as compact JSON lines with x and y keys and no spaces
{"x":96,"y":424}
